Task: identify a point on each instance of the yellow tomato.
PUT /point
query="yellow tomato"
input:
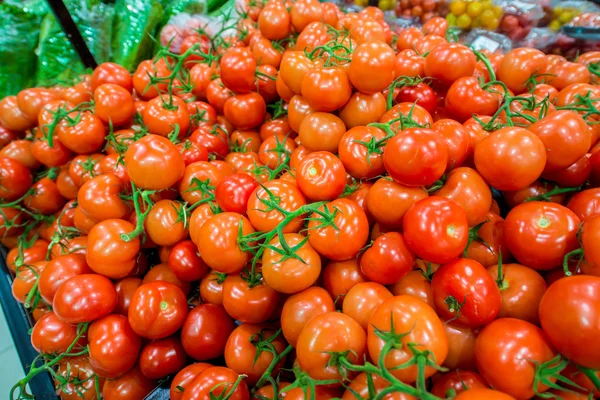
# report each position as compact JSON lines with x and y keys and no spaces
{"x":458,"y":7}
{"x":463,"y":21}
{"x":474,"y":9}
{"x":386,"y":4}
{"x":554,"y":25}
{"x":566,"y":16}
{"x":451,"y":18}
{"x":493,"y":25}
{"x":487,"y":4}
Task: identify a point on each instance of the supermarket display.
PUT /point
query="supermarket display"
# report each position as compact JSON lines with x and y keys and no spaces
{"x":258,"y":200}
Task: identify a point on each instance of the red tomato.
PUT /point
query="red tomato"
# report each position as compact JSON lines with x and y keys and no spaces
{"x":247,"y":304}
{"x":185,"y":262}
{"x":84,"y":298}
{"x":237,"y":70}
{"x":205,"y":331}
{"x":436,"y":229}
{"x":448,"y":62}
{"x":215,"y":382}
{"x":372,"y":67}
{"x":387,"y":260}
{"x":519,"y":65}
{"x":363,"y":299}
{"x":108,"y":254}
{"x":50,"y":335}
{"x":460,"y":381}
{"x":326,"y":89}
{"x":321,"y":176}
{"x":57,"y":271}
{"x":184,"y":377}
{"x":300,"y":308}
{"x":131,"y":386}
{"x":420,"y":94}
{"x":162,"y":357}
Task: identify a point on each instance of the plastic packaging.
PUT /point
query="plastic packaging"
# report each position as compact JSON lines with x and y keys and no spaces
{"x":19,"y":32}
{"x":468,"y":14}
{"x":519,"y":17}
{"x":423,"y":10}
{"x":481,"y":39}
{"x":134,"y":26}
{"x":57,"y":60}
{"x":564,"y":12}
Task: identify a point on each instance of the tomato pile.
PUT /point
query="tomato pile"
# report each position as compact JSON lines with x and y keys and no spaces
{"x":314,"y":208}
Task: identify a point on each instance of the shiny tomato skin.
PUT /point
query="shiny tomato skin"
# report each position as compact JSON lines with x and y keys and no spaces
{"x":585,"y":204}
{"x":539,"y":234}
{"x":448,"y":62}
{"x":387,"y":260}
{"x":508,"y":348}
{"x":329,"y":332}
{"x":184,"y":377}
{"x":427,"y":151}
{"x":321,"y":176}
{"x":358,"y":160}
{"x":372,"y":67}
{"x":412,"y":317}
{"x":234,"y":191}
{"x":568,"y":306}
{"x":125,"y":288}
{"x":326,"y":89}
{"x":57,"y":271}
{"x":108,"y":254}
{"x":15,"y":179}
{"x":482,"y":393}
{"x":388,"y":201}
{"x":436,"y":229}
{"x":205,"y":331}
{"x":518,"y":65}
{"x":216,"y":381}
{"x":50,"y":335}
{"x":237,"y":70}
{"x":165,"y":223}
{"x":466,"y":98}
{"x":363,"y":299}
{"x":362,"y":109}
{"x":465,"y":293}
{"x":247,"y":304}
{"x":114,"y":346}
{"x":112,"y":73}
{"x":185,"y":262}
{"x":265,"y":218}
{"x":131,"y":386}
{"x":162,"y":357}
{"x":157,"y":309}
{"x":84,"y":298}
{"x":458,"y":380}
{"x":510,"y":158}
{"x":300,"y":308}
{"x":114,"y":104}
{"x":245,"y":111}
{"x":344,"y":240}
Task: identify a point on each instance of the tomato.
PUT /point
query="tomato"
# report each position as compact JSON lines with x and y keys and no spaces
{"x":217,"y":94}
{"x":568,"y":306}
{"x":359,"y":389}
{"x":466,"y":98}
{"x":59,"y":270}
{"x":131,"y":386}
{"x":448,"y":62}
{"x":108,"y":254}
{"x":162,"y":357}
{"x":125,"y":289}
{"x":80,"y":382}
{"x":216,"y":382}
{"x":465,"y":293}
{"x":84,"y":298}
{"x":427,"y":43}
{"x":387,"y":260}
{"x":418,"y":323}
{"x":510,"y":158}
{"x":461,"y":347}
{"x":585,"y":204}
{"x":184,"y":377}
{"x":491,"y":242}
{"x":326,"y":88}
{"x":15,"y":179}
{"x":113,"y":347}
{"x":243,"y":355}
{"x":372,"y":67}
{"x":205,"y":331}
{"x":427,"y":151}
{"x":436,"y":229}
{"x":100,"y":198}
{"x":321,"y":176}
{"x":113,"y":104}
{"x":458,"y":380}
{"x":165,"y":223}
{"x":12,"y":117}
{"x":274,"y":22}
{"x":420,"y":94}
{"x":247,"y":304}
{"x":519,"y":65}
{"x":348,"y":234}
{"x":20,"y":150}
{"x":288,"y":198}
{"x":341,"y":276}
{"x":154,"y":163}
{"x":199,"y":182}
{"x":511,"y":348}
{"x":362,"y":109}
{"x":50,"y":335}
{"x":326,"y":333}
{"x":408,"y":63}
{"x":359,"y":153}
{"x":388,"y":201}
{"x":245,"y":111}
{"x":300,"y":308}
{"x":482,"y":393}
{"x":218,"y":242}
{"x":414,"y":284}
{"x":363,"y":299}
{"x":185,"y":262}
{"x":298,"y":109}
{"x":237,"y":70}
{"x":111,"y":73}
{"x":294,"y":272}
{"x":44,"y":197}
{"x":321,"y":131}
{"x":275,"y":151}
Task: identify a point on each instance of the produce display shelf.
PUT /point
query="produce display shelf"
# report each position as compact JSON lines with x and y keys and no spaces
{"x":19,"y":323}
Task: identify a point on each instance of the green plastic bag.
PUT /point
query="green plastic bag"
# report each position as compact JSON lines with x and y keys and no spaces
{"x":58,"y":62}
{"x":135,"y":24}
{"x":19,"y":32}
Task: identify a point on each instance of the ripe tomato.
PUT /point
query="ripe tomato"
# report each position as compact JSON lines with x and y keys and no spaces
{"x":245,"y":111}
{"x":113,"y":347}
{"x":275,"y":151}
{"x":387,"y":260}
{"x":132,"y":385}
{"x":247,"y":304}
{"x":162,"y":357}
{"x":321,"y":131}
{"x":465,"y":293}
{"x":111,"y":73}
{"x":157,"y":309}
{"x":293,"y":272}
{"x":466,"y":98}
{"x":165,"y":223}
{"x":125,"y":289}
{"x":44,"y":197}
{"x":300,"y":308}
{"x":233,"y":192}
{"x":327,"y":333}
{"x":519,"y":65}
{"x":346,"y":234}
{"x":12,"y":117}
{"x":448,"y":62}
{"x":359,"y":153}
{"x":363,"y":299}
{"x":420,"y":94}
{"x":237,"y":67}
{"x":274,"y":21}
{"x":511,"y":348}
{"x":418,"y":323}
{"x":362,"y":109}
{"x":154,"y":163}
{"x":388,"y":201}
{"x":114,"y":104}
{"x":31,"y":101}
{"x":414,"y":284}
{"x":460,"y":381}
{"x":216,"y":382}
{"x":185,"y":262}
{"x":199,"y":182}
{"x":205,"y":331}
{"x":321,"y":176}
{"x":426,"y":150}
{"x":84,"y":298}
{"x":326,"y":88}
{"x":108,"y":254}
{"x":510,"y":158}
{"x":408,"y":62}
{"x":218,"y":242}
{"x":50,"y":335}
{"x":165,"y":117}
{"x":57,"y":271}
{"x":287,"y":196}
{"x":15,"y":179}
{"x":372,"y":67}
{"x":243,"y":355}
{"x":436,"y":229}
{"x":568,"y":306}
{"x":540,"y":234}
{"x":184,"y":377}
{"x":341,"y":276}
{"x":585,"y":204}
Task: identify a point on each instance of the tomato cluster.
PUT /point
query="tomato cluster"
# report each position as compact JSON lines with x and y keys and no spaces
{"x":314,"y":208}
